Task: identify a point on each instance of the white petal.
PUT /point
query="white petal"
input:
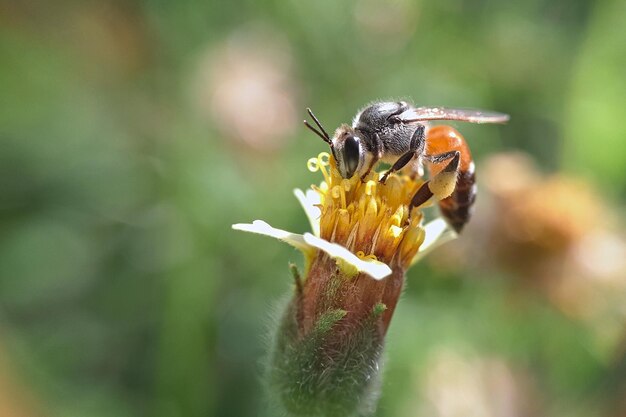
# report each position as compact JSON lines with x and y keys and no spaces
{"x":310,"y":203}
{"x":437,"y":232}
{"x":375,"y":269}
{"x":262,"y":228}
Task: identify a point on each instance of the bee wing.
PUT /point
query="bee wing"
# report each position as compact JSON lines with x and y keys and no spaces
{"x":418,"y":114}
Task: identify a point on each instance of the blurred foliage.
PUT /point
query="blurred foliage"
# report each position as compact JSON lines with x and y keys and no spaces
{"x":123,"y":290}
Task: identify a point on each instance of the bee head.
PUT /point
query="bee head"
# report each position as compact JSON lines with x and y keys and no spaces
{"x":346,"y":147}
{"x":347,"y":151}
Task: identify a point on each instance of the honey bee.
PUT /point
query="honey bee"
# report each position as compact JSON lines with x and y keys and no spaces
{"x":398,"y":133}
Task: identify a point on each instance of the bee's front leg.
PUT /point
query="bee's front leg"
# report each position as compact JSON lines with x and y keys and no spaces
{"x":377,"y":153}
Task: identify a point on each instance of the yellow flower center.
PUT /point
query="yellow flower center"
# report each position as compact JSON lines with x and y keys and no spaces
{"x":369,"y":218}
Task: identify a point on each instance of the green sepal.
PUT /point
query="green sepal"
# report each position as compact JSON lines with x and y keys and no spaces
{"x":332,"y":371}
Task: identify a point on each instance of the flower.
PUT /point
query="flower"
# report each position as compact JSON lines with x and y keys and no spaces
{"x":326,"y":356}
{"x":350,"y":218}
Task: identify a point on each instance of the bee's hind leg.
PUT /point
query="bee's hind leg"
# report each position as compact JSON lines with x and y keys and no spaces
{"x":441,"y":185}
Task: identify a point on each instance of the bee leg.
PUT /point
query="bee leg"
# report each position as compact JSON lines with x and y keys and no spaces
{"x":376,"y":155}
{"x":415,"y":148}
{"x":443,"y":183}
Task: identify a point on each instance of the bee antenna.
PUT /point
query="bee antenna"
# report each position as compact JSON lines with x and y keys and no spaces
{"x":317,"y":122}
{"x":318,"y":133}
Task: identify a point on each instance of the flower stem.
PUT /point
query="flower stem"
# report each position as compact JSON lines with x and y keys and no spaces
{"x":326,"y":357}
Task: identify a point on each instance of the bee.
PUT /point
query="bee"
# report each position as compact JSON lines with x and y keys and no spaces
{"x":398,"y":133}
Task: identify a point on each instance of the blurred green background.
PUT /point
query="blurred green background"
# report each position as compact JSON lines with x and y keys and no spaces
{"x":134,"y":133}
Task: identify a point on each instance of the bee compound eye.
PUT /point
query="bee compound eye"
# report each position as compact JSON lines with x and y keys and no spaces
{"x":351,"y":155}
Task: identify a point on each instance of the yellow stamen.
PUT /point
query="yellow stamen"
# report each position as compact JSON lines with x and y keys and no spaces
{"x":398,"y":216}
{"x":372,"y":207}
{"x":369,"y":217}
{"x":343,"y":226}
{"x":370,"y":187}
{"x":395,"y":231}
{"x":319,"y":164}
{"x":339,"y":192}
{"x":363,"y":256}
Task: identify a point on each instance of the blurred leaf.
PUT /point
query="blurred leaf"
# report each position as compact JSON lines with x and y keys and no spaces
{"x":595,"y":125}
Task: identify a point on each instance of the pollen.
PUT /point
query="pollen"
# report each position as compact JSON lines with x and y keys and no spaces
{"x":369,"y":218}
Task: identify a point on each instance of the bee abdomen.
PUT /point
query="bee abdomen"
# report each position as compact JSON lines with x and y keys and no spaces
{"x":456,"y":209}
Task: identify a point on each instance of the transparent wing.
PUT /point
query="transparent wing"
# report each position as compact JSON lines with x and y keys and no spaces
{"x":418,"y":114}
